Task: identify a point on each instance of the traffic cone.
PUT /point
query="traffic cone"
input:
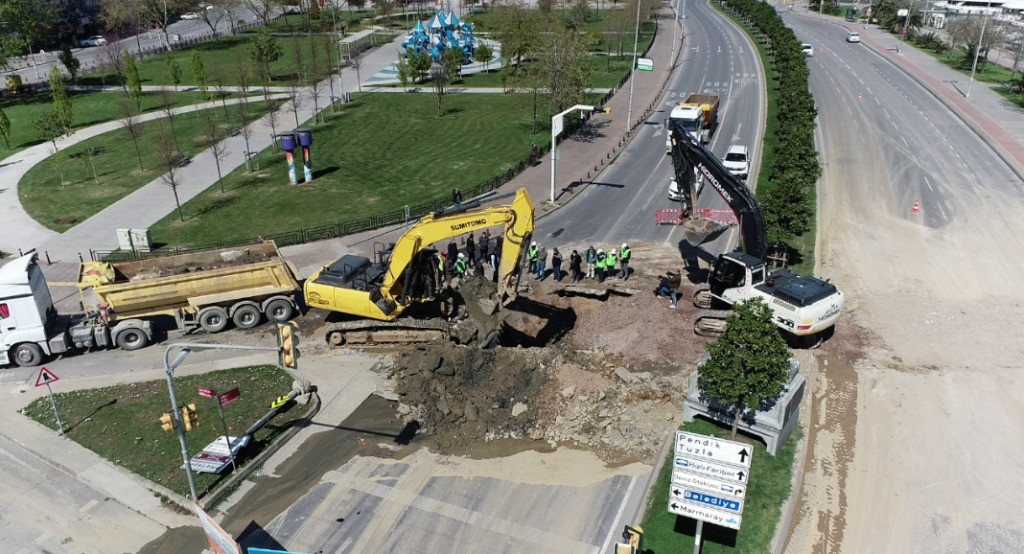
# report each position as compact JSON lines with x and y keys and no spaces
{"x":917,"y":208}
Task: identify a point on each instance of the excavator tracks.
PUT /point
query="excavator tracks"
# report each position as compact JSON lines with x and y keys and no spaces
{"x":710,"y":323}
{"x":385,"y":333}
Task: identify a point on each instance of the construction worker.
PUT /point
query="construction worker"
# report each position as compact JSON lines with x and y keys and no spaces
{"x":609,"y":263}
{"x":460,"y":268}
{"x":533,"y":253}
{"x":624,"y":256}
{"x":599,"y":265}
{"x":591,"y":257}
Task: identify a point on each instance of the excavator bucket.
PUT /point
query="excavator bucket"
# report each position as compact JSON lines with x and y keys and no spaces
{"x":699,"y":229}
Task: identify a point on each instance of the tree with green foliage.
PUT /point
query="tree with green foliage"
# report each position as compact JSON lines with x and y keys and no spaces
{"x":5,"y":128}
{"x":26,"y":25}
{"x":199,"y":73}
{"x":71,"y":63}
{"x":484,"y":54}
{"x":132,"y":81}
{"x":174,"y":70}
{"x":61,"y":102}
{"x":748,"y":364}
{"x":264,"y":50}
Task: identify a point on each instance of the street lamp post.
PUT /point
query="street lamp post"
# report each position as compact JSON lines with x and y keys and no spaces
{"x":169,"y":367}
{"x":977,"y":50}
{"x":632,"y":68}
{"x":556,"y":128}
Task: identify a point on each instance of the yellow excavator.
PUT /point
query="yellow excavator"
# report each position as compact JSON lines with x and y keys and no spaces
{"x":406,"y":274}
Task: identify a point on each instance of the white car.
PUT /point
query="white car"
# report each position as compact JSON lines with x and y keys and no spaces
{"x":853,"y":37}
{"x":807,"y":49}
{"x":190,"y":15}
{"x":737,"y":161}
{"x":95,"y":40}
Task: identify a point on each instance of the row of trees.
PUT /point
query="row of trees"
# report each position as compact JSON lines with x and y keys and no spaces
{"x":793,"y":170}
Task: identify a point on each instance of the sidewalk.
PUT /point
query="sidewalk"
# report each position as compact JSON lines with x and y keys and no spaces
{"x":996,"y":120}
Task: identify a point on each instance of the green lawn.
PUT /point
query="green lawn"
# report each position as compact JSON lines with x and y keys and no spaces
{"x":121,"y":423}
{"x":222,"y":57}
{"x":90,"y":108}
{"x":768,"y":488}
{"x":378,"y":154}
{"x":117,"y":167}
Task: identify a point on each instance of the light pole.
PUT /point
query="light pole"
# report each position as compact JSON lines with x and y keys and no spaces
{"x":556,"y":129}
{"x":632,"y":68}
{"x":169,"y":367}
{"x":977,"y":50}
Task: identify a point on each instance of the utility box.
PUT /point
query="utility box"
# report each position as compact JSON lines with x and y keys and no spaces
{"x":134,"y":239}
{"x":774,"y":423}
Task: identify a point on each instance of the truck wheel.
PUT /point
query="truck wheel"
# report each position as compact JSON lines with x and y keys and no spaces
{"x":279,"y":310}
{"x":246,"y":316}
{"x":131,"y":339}
{"x":213,"y":319}
{"x":28,"y":354}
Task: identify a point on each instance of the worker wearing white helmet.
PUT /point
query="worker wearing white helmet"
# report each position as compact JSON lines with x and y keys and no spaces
{"x":600,"y":265}
{"x":624,"y":255}
{"x":609,"y":263}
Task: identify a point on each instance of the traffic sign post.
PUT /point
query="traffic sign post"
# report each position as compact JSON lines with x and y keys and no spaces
{"x":45,"y":378}
{"x":709,"y":481}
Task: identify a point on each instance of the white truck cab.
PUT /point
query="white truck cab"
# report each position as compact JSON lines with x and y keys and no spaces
{"x":28,"y":319}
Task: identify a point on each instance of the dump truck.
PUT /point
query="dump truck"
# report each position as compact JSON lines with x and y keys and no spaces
{"x":698,"y":115}
{"x":200,"y":290}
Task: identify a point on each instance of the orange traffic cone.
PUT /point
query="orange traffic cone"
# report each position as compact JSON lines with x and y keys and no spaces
{"x":917,"y":208}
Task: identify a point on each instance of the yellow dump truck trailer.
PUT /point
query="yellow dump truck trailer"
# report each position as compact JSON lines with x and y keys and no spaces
{"x":207,"y":290}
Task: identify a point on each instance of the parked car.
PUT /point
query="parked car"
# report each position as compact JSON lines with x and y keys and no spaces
{"x":95,"y":40}
{"x":190,"y":15}
{"x":807,"y":49}
{"x":737,"y":161}
{"x":853,"y":37}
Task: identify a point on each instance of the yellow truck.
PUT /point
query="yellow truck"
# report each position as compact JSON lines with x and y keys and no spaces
{"x":206,"y":290}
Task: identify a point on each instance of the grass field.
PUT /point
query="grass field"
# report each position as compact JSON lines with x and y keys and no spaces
{"x":767,"y":489}
{"x":90,"y":108}
{"x":221,"y":58}
{"x":121,"y":423}
{"x":117,"y":167}
{"x":378,"y":154}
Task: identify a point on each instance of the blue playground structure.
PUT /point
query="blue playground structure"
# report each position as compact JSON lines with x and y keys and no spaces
{"x":441,"y":32}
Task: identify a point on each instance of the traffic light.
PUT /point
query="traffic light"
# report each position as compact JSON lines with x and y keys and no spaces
{"x":287,"y":341}
{"x":189,"y":418}
{"x":167,"y":422}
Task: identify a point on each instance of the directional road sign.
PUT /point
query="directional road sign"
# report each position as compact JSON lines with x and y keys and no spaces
{"x":730,"y":452}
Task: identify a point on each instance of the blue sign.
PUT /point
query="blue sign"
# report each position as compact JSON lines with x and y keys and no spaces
{"x":712,"y":500}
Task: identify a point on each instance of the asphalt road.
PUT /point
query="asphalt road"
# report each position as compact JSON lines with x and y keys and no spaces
{"x":878,"y":125}
{"x":620,"y":206}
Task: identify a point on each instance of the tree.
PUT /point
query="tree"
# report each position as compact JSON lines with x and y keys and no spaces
{"x":5,"y":128}
{"x":26,"y":25}
{"x":214,"y":141}
{"x":406,"y":73}
{"x":174,"y":70}
{"x":61,"y":102}
{"x":167,"y":107}
{"x":748,"y":364}
{"x":484,"y":54}
{"x":439,"y":79}
{"x":132,"y":81}
{"x":71,"y":63}
{"x":51,"y":126}
{"x":264,"y":50}
{"x":199,"y":73}
{"x":169,"y":163}
{"x":130,"y":122}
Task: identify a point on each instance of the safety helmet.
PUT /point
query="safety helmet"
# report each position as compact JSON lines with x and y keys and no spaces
{"x":625,"y":246}
{"x":462,"y":255}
